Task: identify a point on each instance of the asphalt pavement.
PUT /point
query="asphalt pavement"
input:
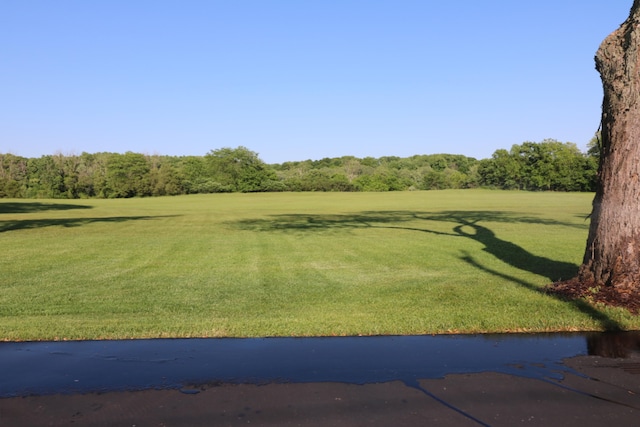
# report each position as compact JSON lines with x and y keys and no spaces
{"x":583,"y":390}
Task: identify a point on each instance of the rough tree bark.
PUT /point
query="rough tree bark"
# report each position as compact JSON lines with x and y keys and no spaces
{"x":610,"y":271}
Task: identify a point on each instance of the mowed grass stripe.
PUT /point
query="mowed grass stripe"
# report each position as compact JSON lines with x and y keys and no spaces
{"x":293,"y":264}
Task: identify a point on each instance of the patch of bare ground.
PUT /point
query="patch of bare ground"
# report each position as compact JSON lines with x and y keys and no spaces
{"x":572,"y":289}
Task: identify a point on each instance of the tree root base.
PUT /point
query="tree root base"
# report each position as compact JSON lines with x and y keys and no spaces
{"x":607,"y":295}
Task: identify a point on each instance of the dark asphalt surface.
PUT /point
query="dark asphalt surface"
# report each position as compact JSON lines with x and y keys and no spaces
{"x":491,"y":380}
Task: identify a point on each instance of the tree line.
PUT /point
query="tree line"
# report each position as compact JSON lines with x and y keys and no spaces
{"x":547,"y":165}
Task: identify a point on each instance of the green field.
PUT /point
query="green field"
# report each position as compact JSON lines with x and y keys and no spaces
{"x":293,"y":264}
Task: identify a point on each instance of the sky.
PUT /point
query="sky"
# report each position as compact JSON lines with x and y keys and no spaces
{"x":299,"y":79}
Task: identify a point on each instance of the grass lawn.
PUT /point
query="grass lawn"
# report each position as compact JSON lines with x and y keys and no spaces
{"x":293,"y":264}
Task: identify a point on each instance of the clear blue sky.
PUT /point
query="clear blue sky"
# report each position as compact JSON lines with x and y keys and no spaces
{"x":299,"y":79}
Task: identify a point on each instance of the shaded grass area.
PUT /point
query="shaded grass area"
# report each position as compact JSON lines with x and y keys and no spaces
{"x":30,"y":207}
{"x":294,"y":264}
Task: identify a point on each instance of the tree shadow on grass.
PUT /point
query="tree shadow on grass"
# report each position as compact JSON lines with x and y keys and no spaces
{"x":607,"y":323}
{"x":32,"y":207}
{"x":68,"y":222}
{"x":465,"y":224}
{"x":507,"y":252}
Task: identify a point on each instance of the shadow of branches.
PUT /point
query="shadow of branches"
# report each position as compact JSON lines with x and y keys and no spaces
{"x":506,"y":251}
{"x":32,"y":207}
{"x":314,"y":222}
{"x":67,"y":222}
{"x":465,"y":224}
{"x":605,"y":321}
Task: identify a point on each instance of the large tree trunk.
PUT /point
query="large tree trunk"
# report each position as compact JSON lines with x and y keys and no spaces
{"x":611,"y":261}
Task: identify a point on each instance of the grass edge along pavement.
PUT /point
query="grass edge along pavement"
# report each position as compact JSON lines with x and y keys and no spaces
{"x":294,"y":264}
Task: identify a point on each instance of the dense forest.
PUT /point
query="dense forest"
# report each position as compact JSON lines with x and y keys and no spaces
{"x":549,"y":165}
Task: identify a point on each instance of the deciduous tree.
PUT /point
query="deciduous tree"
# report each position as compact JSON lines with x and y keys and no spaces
{"x":610,"y":271}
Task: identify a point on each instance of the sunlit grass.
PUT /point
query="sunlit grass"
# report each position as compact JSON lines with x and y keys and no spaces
{"x":293,"y":264}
